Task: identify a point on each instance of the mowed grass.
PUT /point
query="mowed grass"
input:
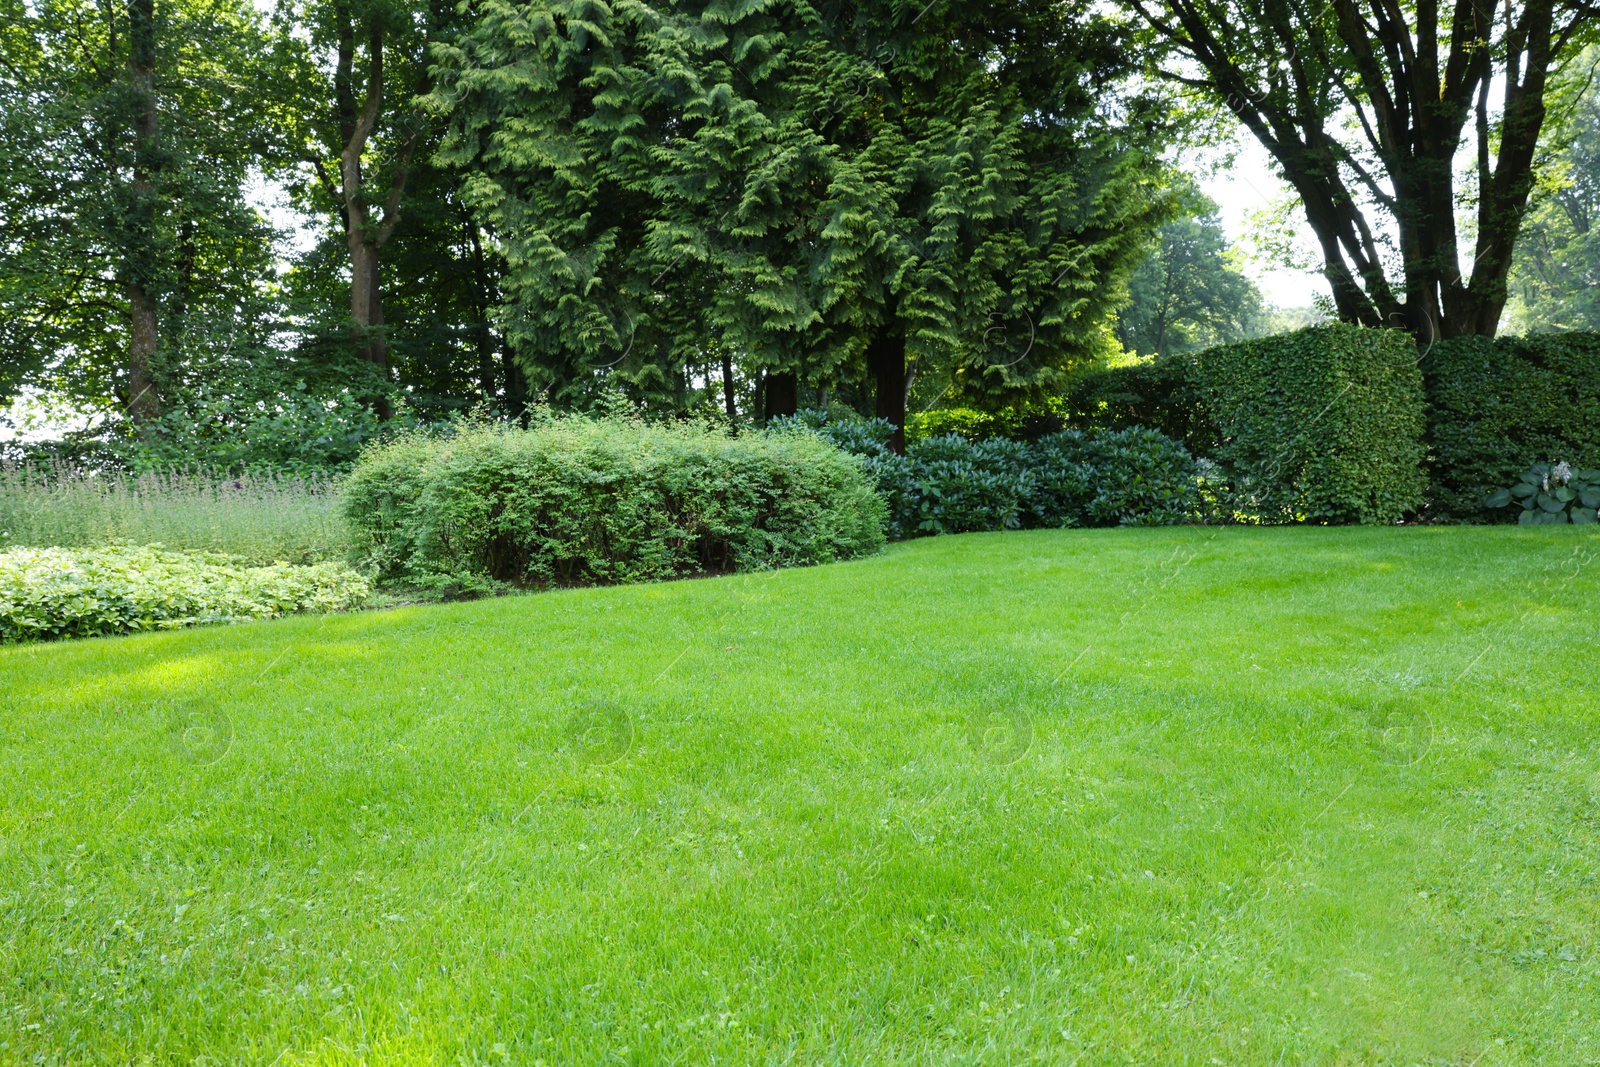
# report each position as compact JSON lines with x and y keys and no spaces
{"x":1188,"y":796}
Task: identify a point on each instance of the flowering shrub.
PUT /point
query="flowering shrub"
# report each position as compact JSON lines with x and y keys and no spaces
{"x":1552,"y":495}
{"x":61,"y":592}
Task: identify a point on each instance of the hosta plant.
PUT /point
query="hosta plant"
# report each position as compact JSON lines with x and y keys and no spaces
{"x":1552,"y":495}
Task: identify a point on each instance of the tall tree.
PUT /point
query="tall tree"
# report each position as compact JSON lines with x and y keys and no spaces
{"x":1380,"y":191}
{"x":1556,"y":281}
{"x":364,"y":64}
{"x":127,"y":133}
{"x":827,"y":195}
{"x":1187,"y":295}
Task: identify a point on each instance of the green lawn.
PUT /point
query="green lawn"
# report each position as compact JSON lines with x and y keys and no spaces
{"x":1199,"y":796}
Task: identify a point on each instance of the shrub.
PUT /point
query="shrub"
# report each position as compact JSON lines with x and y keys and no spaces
{"x":259,"y":517}
{"x":1323,"y":424}
{"x":1495,"y":408}
{"x":1552,"y":496}
{"x":1160,"y":394}
{"x":578,"y":501}
{"x":58,"y":592}
{"x":1023,"y":423}
{"x":949,"y":484}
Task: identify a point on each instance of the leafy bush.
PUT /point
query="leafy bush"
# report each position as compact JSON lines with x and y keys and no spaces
{"x":1551,"y":496}
{"x":1497,"y":407}
{"x":1160,"y":394}
{"x":578,"y":501}
{"x":259,"y":517}
{"x":1323,"y":424}
{"x":58,"y":592}
{"x":950,"y":484}
{"x":1022,"y":423}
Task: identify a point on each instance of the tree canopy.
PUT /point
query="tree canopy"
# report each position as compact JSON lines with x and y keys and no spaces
{"x":826,"y":193}
{"x":1364,"y":105}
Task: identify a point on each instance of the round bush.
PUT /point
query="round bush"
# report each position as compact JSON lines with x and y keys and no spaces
{"x":578,"y":501}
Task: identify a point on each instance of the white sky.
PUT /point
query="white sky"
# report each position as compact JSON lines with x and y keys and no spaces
{"x":1247,"y":186}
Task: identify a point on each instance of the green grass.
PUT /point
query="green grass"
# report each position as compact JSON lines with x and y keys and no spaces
{"x":261,"y":518}
{"x":1190,"y":796}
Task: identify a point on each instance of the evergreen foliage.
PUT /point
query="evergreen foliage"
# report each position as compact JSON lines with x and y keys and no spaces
{"x":830,"y":193}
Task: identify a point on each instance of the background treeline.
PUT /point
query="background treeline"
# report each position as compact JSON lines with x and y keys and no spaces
{"x":731,"y":211}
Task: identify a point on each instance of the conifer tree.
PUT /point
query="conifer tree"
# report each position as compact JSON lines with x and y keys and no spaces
{"x":839,"y":194}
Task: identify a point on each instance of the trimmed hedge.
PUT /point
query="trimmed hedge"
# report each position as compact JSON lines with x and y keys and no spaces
{"x":1324,"y":424}
{"x":1161,"y":394}
{"x":1496,"y":408}
{"x":86,"y":592}
{"x":578,"y":501}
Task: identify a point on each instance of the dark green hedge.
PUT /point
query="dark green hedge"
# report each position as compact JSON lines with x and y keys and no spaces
{"x":1323,"y":424}
{"x":1496,"y":408}
{"x":1160,"y":394}
{"x":948,"y":484}
{"x":579,"y":501}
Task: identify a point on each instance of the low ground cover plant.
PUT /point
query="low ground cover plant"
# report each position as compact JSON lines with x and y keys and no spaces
{"x":575,"y":501}
{"x":1552,"y":495}
{"x":63,"y":592}
{"x":263,"y":518}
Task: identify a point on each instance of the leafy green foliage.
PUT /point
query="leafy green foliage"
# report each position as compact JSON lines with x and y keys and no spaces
{"x":796,"y":181}
{"x":89,"y":209}
{"x":1322,"y":425}
{"x":1555,"y":279}
{"x":1022,"y":421}
{"x":950,"y":484}
{"x":580,"y":501}
{"x":1552,"y":495}
{"x":1187,"y":295}
{"x":1162,"y":394}
{"x":60,"y":592}
{"x":261,"y":518}
{"x":1496,"y":408}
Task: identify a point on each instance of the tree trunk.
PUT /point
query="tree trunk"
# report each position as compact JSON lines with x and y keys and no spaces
{"x":366,"y":310}
{"x":144,"y":334}
{"x":483,"y":339}
{"x":1410,"y":93}
{"x":783,"y":395}
{"x":727,"y":387}
{"x":364,"y":237}
{"x":887,"y":355}
{"x":516,"y":386}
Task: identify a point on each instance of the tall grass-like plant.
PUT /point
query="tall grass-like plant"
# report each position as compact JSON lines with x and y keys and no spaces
{"x":258,"y":517}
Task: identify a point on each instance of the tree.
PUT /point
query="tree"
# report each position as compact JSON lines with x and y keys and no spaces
{"x":126,"y":134}
{"x":820,"y":195}
{"x":363,"y":63}
{"x":1382,"y":201}
{"x":1556,"y":281}
{"x":1187,"y":296}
